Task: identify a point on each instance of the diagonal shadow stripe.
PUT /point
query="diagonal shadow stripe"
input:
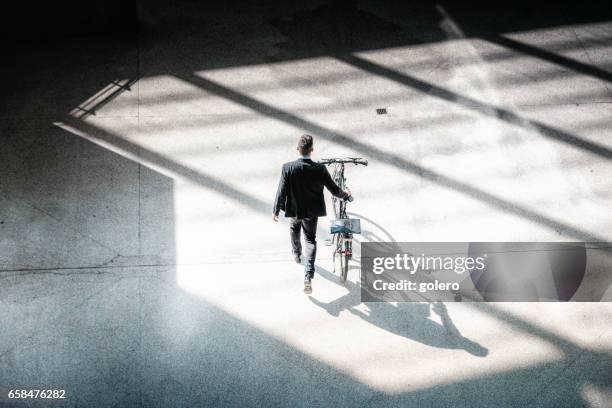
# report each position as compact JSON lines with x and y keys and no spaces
{"x":390,"y":158}
{"x":202,"y":179}
{"x":473,"y":104}
{"x":551,"y":57}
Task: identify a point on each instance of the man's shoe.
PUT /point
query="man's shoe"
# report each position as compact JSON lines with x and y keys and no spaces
{"x":297,"y":258}
{"x":307,"y":287}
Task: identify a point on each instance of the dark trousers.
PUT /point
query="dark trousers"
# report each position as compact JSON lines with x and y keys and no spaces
{"x":309,"y":225}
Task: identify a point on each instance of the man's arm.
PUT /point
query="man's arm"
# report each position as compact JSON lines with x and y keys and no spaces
{"x":333,"y":188}
{"x":281,"y":194}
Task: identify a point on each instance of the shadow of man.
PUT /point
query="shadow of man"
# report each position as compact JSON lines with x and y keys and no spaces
{"x":410,"y":320}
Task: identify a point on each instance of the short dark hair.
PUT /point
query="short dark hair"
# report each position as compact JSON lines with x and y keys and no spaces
{"x":305,"y":144}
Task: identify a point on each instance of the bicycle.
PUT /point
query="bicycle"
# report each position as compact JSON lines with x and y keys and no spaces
{"x":342,"y":227}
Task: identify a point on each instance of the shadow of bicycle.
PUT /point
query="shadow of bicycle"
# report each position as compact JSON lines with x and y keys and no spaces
{"x":408,"y":319}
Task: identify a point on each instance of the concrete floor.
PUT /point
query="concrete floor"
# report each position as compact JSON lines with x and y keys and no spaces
{"x":140,"y":266}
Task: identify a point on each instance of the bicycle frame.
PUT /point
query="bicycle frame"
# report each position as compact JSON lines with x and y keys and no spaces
{"x":342,"y":241}
{"x":340,"y":213}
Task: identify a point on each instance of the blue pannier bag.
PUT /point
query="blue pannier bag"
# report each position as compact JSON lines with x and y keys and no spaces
{"x":346,"y":226}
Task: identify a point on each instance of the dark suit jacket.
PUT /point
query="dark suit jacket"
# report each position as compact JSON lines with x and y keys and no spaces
{"x":300,"y":190}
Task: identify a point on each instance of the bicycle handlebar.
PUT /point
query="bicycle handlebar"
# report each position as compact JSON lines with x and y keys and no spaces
{"x":354,"y":160}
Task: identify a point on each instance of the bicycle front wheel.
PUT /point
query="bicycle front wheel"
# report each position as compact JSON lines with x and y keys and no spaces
{"x":344,"y":269}
{"x":344,"y":254}
{"x":337,"y":255}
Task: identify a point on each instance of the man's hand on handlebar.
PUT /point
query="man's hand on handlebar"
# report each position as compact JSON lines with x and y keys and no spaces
{"x":350,"y":194}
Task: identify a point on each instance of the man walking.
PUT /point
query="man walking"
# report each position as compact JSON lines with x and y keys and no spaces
{"x":300,"y":196}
